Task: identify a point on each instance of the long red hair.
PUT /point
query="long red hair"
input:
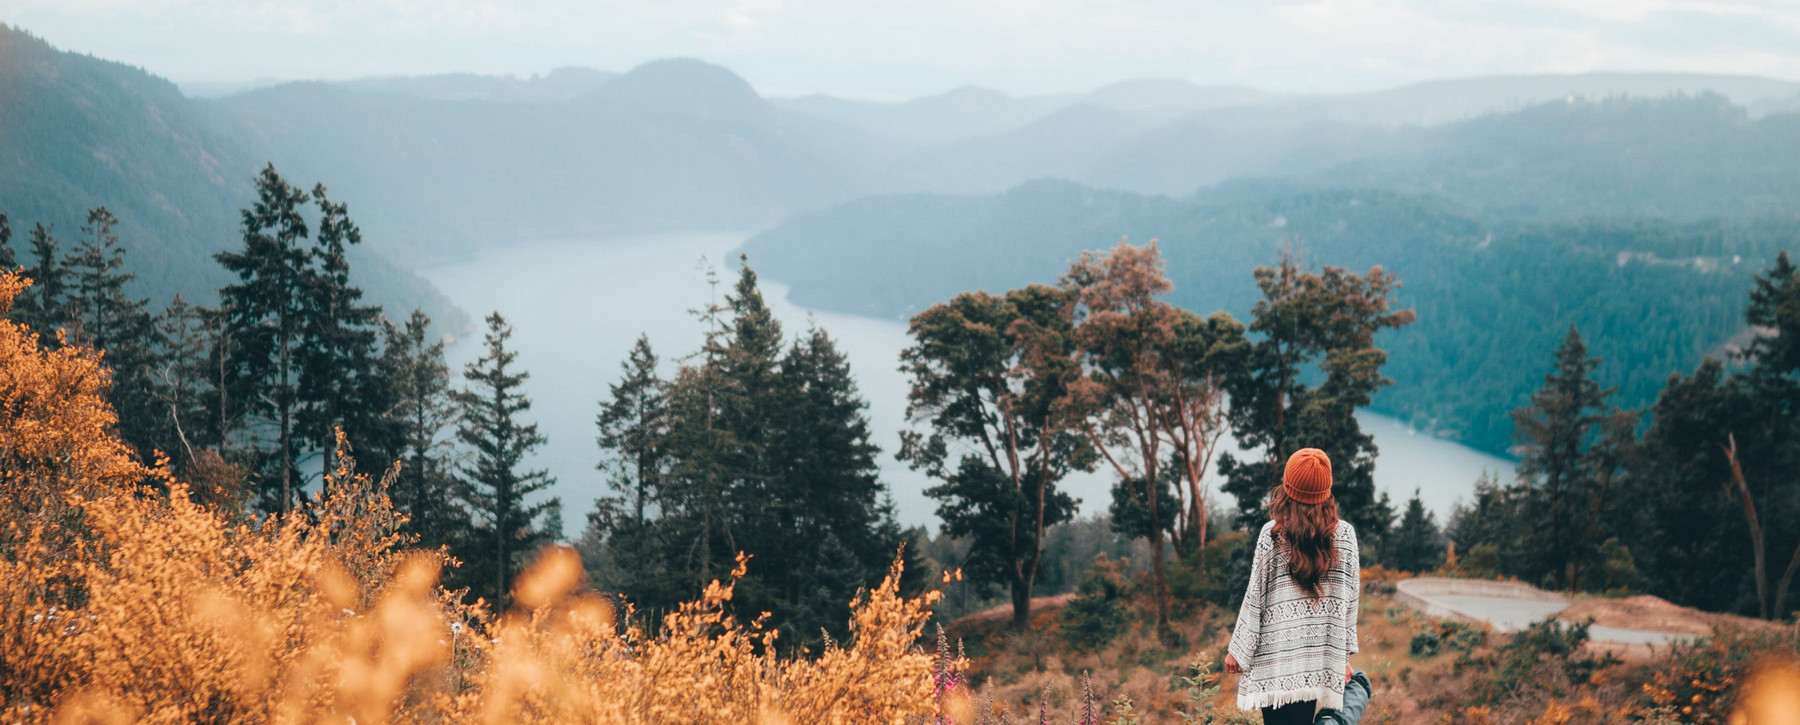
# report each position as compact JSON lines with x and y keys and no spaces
{"x":1308,"y":531}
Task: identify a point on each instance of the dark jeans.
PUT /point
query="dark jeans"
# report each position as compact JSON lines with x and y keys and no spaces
{"x":1293,"y":713}
{"x":1356,"y":701}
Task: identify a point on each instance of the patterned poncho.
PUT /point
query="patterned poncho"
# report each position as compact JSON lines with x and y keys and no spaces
{"x":1291,"y":646}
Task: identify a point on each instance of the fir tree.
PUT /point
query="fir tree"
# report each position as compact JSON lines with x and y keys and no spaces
{"x":334,"y":364}
{"x":103,"y":316}
{"x":632,"y":425}
{"x":623,"y":543}
{"x":7,"y":259}
{"x":423,"y":417}
{"x":1416,"y":544}
{"x":43,"y":306}
{"x":502,"y":496}
{"x":754,"y":446}
{"x":1556,"y":431}
{"x":267,"y":308}
{"x":178,"y":378}
{"x":829,"y":525}
{"x":1775,"y":306}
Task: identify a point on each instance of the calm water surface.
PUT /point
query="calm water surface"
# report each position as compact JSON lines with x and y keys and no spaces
{"x":577,"y":305}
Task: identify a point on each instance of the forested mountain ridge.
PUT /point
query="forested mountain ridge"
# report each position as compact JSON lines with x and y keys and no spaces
{"x":1654,"y":295}
{"x":675,"y":144}
{"x":77,"y":132}
{"x":558,"y":84}
{"x":972,"y":111}
{"x":1688,"y":157}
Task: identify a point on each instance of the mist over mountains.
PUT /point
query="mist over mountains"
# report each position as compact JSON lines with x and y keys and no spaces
{"x":1635,"y":204}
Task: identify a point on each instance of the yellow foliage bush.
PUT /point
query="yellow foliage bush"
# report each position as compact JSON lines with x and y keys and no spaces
{"x":127,"y":602}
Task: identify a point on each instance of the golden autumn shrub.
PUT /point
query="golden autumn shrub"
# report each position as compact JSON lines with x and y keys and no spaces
{"x":122,"y":601}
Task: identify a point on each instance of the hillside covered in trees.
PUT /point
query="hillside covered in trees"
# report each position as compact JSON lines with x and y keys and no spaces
{"x":241,"y":479}
{"x":78,"y":132}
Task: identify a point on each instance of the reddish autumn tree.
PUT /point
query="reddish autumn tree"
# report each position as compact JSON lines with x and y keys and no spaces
{"x":1152,"y":393}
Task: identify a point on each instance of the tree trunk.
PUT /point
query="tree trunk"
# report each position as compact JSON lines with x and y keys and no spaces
{"x":287,"y":457}
{"x":1755,"y":528}
{"x":1021,"y":602}
{"x":1159,"y":590}
{"x":500,"y":563}
{"x":1787,"y":578}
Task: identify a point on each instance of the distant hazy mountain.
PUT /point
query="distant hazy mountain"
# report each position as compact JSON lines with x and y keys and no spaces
{"x":78,"y":132}
{"x":1682,"y":157}
{"x":1653,"y":296}
{"x":671,"y":144}
{"x":1433,"y":102}
{"x":964,"y":115}
{"x":1171,"y":136}
{"x":1152,"y":95}
{"x":958,"y":114}
{"x":560,"y":84}
{"x":1067,"y":143}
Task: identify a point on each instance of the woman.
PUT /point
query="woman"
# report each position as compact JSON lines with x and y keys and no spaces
{"x":1297,"y":628}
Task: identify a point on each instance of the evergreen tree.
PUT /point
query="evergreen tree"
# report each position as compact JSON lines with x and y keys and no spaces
{"x":508,"y":517}
{"x":103,"y":316}
{"x":1775,"y":307}
{"x":423,"y":417}
{"x":1557,"y":430}
{"x":7,"y":259}
{"x":988,"y":375}
{"x":1416,"y":545}
{"x":178,"y":379}
{"x":340,"y":334}
{"x":632,"y":425}
{"x":1329,"y":318}
{"x":624,"y":544}
{"x":230,"y":393}
{"x":828,"y":530}
{"x":1489,"y":533}
{"x":267,"y":310}
{"x":755,"y":447}
{"x":43,"y":306}
{"x":1736,"y":433}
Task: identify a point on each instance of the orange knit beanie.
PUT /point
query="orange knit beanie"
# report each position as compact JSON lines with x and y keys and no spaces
{"x":1308,"y":476}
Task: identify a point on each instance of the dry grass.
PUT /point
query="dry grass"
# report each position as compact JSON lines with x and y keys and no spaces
{"x":123,"y":599}
{"x":1016,"y":669}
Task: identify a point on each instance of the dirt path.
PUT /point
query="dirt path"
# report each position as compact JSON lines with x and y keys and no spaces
{"x":1510,"y":606}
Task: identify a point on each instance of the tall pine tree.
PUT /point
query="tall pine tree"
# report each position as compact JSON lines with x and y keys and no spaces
{"x":268,"y":310}
{"x":830,"y":527}
{"x":43,"y":306}
{"x":625,"y":542}
{"x":179,"y":377}
{"x":754,"y":446}
{"x":1559,"y":431}
{"x":103,"y":315}
{"x":501,"y":494}
{"x":423,"y":417}
{"x":335,"y":363}
{"x":7,"y":259}
{"x":1416,"y":544}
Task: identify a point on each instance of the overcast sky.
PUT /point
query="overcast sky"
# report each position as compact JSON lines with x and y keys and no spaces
{"x":901,"y":48}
